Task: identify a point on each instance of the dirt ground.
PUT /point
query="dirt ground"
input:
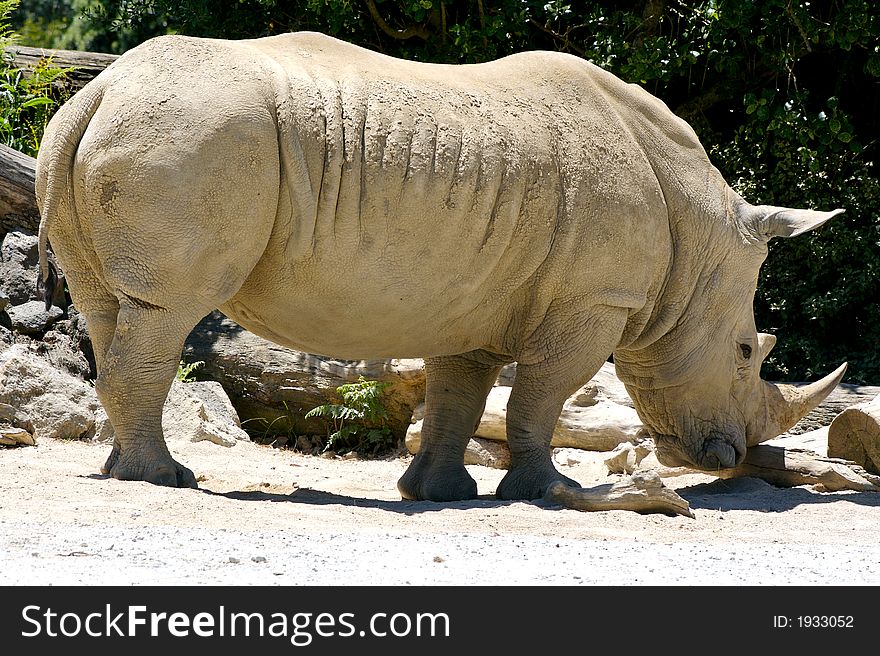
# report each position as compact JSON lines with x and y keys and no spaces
{"x":277,"y":517}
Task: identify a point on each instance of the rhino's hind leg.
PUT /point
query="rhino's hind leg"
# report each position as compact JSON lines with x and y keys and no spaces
{"x":134,"y":379}
{"x":455,"y":396}
{"x":541,"y":387}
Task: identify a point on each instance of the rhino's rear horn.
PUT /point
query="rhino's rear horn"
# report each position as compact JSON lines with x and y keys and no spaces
{"x":788,"y":404}
{"x":766,"y":342}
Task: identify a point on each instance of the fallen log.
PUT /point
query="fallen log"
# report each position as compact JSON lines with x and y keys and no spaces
{"x":855,"y":435}
{"x":85,"y":65}
{"x":18,"y":205}
{"x":787,"y":467}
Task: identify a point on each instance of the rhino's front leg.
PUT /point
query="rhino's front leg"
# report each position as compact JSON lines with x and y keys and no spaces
{"x":578,"y":348}
{"x":134,"y":379}
{"x":455,"y":396}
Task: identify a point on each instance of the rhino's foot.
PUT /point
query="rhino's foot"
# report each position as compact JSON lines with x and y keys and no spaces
{"x":448,"y":483}
{"x":529,"y":483}
{"x":159,"y":470}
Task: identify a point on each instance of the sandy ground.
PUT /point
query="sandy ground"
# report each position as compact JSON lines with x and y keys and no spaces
{"x":265,"y":516}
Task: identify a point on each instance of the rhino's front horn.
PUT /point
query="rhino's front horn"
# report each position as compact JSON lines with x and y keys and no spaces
{"x":788,"y":404}
{"x":787,"y":222}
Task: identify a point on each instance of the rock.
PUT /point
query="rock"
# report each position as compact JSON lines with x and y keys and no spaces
{"x":568,"y":457}
{"x":31,"y":318}
{"x":13,"y":436}
{"x":273,"y":386}
{"x":625,"y":458}
{"x":193,"y":412}
{"x":4,"y":301}
{"x":489,"y":453}
{"x":74,"y":327}
{"x":19,"y":262}
{"x":63,"y":352}
{"x":54,"y":402}
{"x":854,"y":435}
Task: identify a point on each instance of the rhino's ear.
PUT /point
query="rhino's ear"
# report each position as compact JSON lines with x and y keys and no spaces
{"x":784,"y":222}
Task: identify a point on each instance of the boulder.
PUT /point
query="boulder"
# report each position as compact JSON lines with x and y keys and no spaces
{"x":74,"y":327}
{"x":193,"y":412}
{"x":32,"y":318}
{"x":54,"y":402}
{"x":63,"y":352}
{"x":14,"y":436}
{"x":19,"y":262}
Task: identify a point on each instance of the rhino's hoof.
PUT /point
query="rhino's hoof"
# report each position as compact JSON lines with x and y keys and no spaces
{"x":527,"y":484}
{"x":438,"y":484}
{"x":168,"y":473}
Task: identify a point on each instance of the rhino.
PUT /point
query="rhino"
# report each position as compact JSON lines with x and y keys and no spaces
{"x":535,"y":209}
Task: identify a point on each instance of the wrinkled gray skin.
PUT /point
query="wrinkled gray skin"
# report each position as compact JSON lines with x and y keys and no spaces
{"x":535,"y":209}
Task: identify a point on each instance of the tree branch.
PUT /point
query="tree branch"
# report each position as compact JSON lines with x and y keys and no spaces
{"x":561,"y":37}
{"x":408,"y":33}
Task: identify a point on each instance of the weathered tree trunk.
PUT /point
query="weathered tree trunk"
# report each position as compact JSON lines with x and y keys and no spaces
{"x":86,"y":65}
{"x":18,"y":205}
{"x":793,"y":467}
{"x":855,"y":435}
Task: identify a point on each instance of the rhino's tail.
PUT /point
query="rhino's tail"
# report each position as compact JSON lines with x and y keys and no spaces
{"x":54,"y":164}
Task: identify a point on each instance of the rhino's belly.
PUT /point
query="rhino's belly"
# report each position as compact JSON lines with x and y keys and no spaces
{"x":363,"y":318}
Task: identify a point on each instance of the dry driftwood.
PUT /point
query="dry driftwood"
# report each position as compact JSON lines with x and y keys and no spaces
{"x":788,"y":467}
{"x":855,"y":435}
{"x":642,"y":492}
{"x":85,"y":65}
{"x":18,"y":205}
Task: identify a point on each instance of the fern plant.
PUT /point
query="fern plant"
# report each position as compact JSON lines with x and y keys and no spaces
{"x":27,"y":102}
{"x":184,"y":371}
{"x":359,"y":422}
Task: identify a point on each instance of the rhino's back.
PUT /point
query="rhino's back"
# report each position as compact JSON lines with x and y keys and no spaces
{"x":431,"y":195}
{"x":429,"y":202}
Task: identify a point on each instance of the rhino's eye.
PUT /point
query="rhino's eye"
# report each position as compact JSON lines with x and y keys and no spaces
{"x":746,"y":350}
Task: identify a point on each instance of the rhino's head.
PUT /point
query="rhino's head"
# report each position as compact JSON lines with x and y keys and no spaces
{"x":696,"y":383}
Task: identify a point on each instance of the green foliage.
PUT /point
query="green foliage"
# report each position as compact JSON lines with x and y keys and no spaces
{"x":27,"y":102}
{"x":359,"y":422}
{"x":184,"y":371}
{"x":784,"y":95}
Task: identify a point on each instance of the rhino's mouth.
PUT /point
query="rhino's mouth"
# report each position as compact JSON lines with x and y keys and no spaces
{"x":713,"y":453}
